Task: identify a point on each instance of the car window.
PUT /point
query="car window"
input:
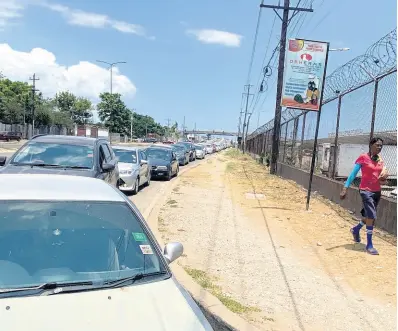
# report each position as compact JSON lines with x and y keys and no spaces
{"x":54,"y":154}
{"x":142,"y":155}
{"x":158,"y":153}
{"x":72,"y":241}
{"x":125,"y":156}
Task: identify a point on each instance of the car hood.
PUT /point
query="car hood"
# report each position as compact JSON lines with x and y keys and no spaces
{"x":159,"y":162}
{"x":127,"y":166}
{"x":157,"y":306}
{"x":11,"y":169}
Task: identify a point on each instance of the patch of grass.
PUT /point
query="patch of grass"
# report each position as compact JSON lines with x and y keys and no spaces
{"x":207,"y":283}
{"x":233,"y":152}
{"x":231,"y":166}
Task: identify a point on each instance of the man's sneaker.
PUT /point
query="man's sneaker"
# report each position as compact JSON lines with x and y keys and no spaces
{"x":356,"y":235}
{"x":372,"y":251}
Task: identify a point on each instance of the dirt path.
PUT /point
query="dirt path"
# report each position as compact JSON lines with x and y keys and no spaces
{"x":268,"y":259}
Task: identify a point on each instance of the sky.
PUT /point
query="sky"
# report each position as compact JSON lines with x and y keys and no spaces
{"x":183,"y":58}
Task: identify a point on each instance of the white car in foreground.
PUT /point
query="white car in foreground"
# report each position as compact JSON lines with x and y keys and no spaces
{"x":76,"y":254}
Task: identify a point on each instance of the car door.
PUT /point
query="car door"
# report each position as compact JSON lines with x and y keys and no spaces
{"x":109,"y":175}
{"x":143,"y":167}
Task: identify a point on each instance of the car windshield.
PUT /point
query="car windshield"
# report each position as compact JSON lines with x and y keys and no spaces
{"x":125,"y":155}
{"x":199,"y":147}
{"x":55,"y":154}
{"x":158,"y":153}
{"x":70,"y":242}
{"x":179,"y":148}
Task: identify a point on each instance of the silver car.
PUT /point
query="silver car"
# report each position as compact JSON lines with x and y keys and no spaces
{"x":134,"y":170}
{"x":200,"y":151}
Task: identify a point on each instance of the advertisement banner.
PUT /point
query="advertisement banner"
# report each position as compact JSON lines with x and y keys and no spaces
{"x":303,"y":75}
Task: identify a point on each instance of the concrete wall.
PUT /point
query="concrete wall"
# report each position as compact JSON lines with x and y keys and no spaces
{"x":330,"y":189}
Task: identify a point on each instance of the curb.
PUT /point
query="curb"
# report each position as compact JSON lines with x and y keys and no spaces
{"x":220,"y":317}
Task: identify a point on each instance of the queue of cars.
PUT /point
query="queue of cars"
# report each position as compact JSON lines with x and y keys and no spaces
{"x":72,"y":243}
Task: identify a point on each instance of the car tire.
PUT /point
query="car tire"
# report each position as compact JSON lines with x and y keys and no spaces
{"x":148,"y":182}
{"x":177,"y":171}
{"x":136,"y":186}
{"x":169,"y":175}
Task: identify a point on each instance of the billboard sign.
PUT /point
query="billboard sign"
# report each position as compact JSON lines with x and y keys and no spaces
{"x":305,"y":64}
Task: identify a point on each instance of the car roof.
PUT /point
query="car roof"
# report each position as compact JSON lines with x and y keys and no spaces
{"x":56,"y":187}
{"x":160,"y":146}
{"x":126,"y":148}
{"x":61,"y":139}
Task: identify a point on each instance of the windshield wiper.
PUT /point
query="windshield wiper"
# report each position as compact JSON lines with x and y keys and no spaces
{"x":75,"y":167}
{"x":131,"y":279}
{"x":44,"y":286}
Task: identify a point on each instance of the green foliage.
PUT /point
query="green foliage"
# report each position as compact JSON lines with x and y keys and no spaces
{"x":65,"y":109}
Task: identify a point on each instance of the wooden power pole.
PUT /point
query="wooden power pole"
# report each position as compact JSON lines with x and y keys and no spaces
{"x":281,"y":67}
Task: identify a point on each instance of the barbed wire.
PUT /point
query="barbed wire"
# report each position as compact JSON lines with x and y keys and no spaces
{"x":379,"y":59}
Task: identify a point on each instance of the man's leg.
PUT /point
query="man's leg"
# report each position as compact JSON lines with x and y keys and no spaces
{"x":370,"y":204}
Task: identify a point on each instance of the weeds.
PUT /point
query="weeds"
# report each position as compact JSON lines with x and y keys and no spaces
{"x":206,"y":282}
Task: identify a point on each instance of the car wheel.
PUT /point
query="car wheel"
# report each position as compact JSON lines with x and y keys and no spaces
{"x":169,"y":175}
{"x":136,"y":186}
{"x":177,"y":171}
{"x":148,"y":182}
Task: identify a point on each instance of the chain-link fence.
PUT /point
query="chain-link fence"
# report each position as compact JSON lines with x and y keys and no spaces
{"x":360,"y":103}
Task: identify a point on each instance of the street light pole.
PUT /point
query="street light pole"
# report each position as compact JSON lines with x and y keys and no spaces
{"x":111,"y":65}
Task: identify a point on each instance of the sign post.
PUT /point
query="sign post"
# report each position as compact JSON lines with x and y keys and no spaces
{"x":303,"y":84}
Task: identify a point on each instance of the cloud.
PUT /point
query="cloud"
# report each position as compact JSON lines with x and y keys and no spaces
{"x":84,"y":79}
{"x":208,"y":36}
{"x":99,"y":21}
{"x":9,"y":11}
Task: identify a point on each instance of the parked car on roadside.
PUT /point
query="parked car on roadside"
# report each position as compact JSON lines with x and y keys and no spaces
{"x":182,"y":154}
{"x":209,"y":149}
{"x":200,"y":152}
{"x":64,"y":155}
{"x":77,"y":244}
{"x":134,"y":169}
{"x":191,"y":148}
{"x":163,"y":162}
{"x":9,"y":135}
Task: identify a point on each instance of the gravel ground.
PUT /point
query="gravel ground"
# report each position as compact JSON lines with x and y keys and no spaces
{"x":265,"y":254}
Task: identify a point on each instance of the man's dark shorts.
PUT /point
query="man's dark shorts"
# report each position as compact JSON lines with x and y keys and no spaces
{"x":370,"y":201}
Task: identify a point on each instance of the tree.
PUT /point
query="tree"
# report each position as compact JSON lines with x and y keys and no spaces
{"x":79,"y":109}
{"x":114,"y":113}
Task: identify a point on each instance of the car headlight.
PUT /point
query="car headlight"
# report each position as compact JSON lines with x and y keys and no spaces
{"x":161,"y":168}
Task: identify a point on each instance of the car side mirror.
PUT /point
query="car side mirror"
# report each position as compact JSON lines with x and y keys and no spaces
{"x":172,"y":251}
{"x":142,"y":162}
{"x":107,"y":167}
{"x":3,"y":160}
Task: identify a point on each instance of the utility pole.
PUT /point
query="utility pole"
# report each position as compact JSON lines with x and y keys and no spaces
{"x":183,"y":128}
{"x":168,"y":127}
{"x":281,"y":67}
{"x":34,"y":90}
{"x":131,"y":123}
{"x":245,"y":117}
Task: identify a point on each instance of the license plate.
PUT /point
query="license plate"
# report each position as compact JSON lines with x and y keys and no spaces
{"x":160,"y":173}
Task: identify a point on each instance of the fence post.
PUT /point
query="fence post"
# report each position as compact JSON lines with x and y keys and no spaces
{"x":336,"y":138}
{"x":302,"y":141}
{"x":284,"y":147}
{"x":372,"y":124}
{"x":294,"y":138}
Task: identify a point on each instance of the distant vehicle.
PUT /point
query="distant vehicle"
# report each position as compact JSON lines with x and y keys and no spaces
{"x":168,"y":142}
{"x":64,"y":155}
{"x":209,"y":149}
{"x":182,"y":153}
{"x":8,"y":136}
{"x":134,"y":169}
{"x":76,"y":242}
{"x":191,"y":148}
{"x":200,"y":152}
{"x":150,"y":140}
{"x":163,"y":162}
